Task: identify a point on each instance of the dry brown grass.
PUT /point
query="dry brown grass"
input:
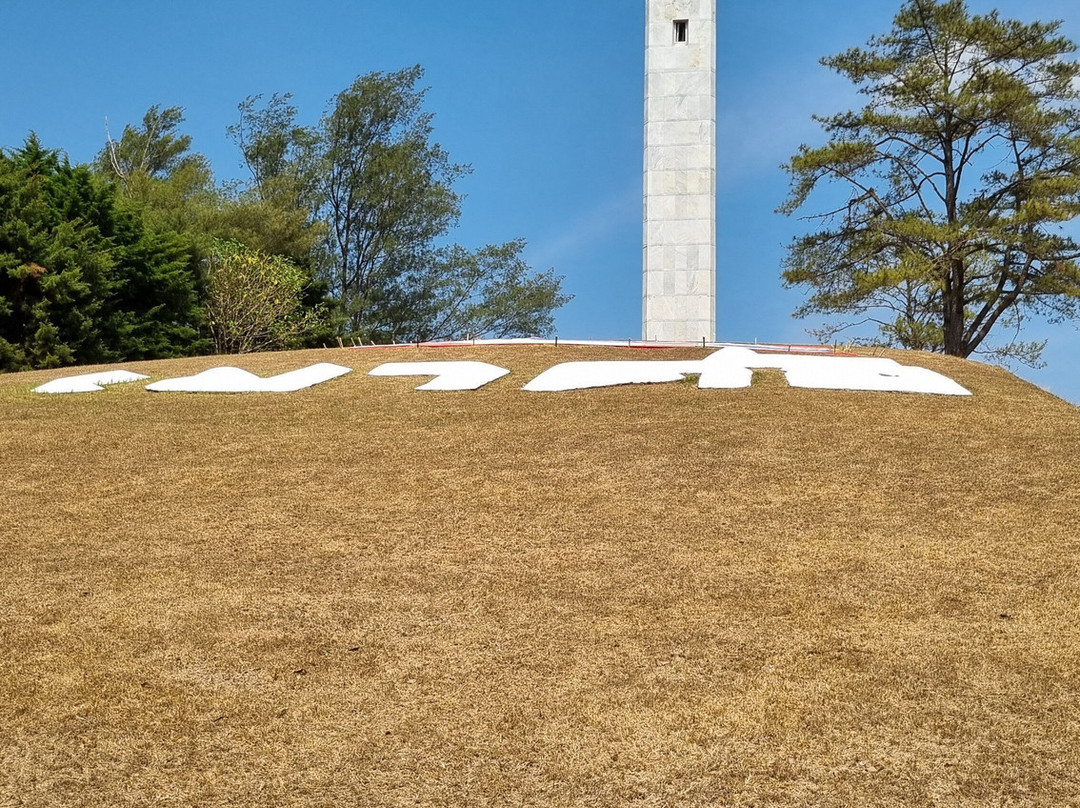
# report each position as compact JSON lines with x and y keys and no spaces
{"x":364,"y":595}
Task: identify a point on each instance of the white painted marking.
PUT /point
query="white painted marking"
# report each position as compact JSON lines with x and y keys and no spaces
{"x":727,"y":369}
{"x":583,"y":375}
{"x":731,"y":368}
{"x":89,"y":382}
{"x":235,"y":380}
{"x":448,"y":375}
{"x":867,"y":373}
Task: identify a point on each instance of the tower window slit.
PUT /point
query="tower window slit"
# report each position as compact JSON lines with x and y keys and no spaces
{"x":682,"y":30}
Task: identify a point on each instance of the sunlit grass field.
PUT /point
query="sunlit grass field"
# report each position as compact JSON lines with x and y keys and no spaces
{"x":361,"y":594}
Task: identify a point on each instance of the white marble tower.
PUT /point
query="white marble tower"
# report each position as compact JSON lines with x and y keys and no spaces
{"x":679,"y":294}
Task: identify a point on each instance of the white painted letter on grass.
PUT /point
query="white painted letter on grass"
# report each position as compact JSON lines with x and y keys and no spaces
{"x":448,"y":375}
{"x":89,"y":382}
{"x":731,"y":368}
{"x":235,"y":380}
{"x":583,"y":375}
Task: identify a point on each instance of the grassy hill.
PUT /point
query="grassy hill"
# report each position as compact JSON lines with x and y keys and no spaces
{"x":360,"y":594}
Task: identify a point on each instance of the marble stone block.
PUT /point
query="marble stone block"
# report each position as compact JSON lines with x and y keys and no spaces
{"x":681,"y":207}
{"x":660,"y":183}
{"x":688,"y":82}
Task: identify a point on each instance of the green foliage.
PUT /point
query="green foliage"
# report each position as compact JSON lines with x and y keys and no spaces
{"x":279,"y":210}
{"x":959,"y":172}
{"x":382,"y":193}
{"x":266,"y":226}
{"x":81,"y":278}
{"x":350,"y":219}
{"x":490,"y":292}
{"x":461,"y":294}
{"x":254,"y":300}
{"x":282,"y":156}
{"x":153,"y":150}
{"x":388,"y":188}
{"x":154,"y":306}
{"x":175,"y":190}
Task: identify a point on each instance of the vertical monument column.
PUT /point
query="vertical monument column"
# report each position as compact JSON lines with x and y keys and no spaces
{"x":679,"y":294}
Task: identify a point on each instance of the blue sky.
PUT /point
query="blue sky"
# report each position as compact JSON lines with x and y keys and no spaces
{"x":544,"y":100}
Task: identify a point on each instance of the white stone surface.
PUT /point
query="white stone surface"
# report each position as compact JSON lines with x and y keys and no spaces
{"x":866,"y":373}
{"x":664,"y":183}
{"x":682,"y":132}
{"x":89,"y":382}
{"x":235,"y":380}
{"x":829,"y":372}
{"x":681,"y":107}
{"x":583,"y":375}
{"x":448,"y":375}
{"x":727,"y":369}
{"x":693,"y":207}
{"x":731,"y":368}
{"x":677,"y":232}
{"x":680,"y":157}
{"x":679,"y":229}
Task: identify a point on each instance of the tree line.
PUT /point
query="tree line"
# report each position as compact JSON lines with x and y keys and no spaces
{"x":949,"y":199}
{"x":341,"y":230}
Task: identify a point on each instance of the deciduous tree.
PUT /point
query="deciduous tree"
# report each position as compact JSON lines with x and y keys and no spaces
{"x":388,"y":189}
{"x":372,"y":175}
{"x":282,"y":156}
{"x":465,"y":294}
{"x":155,"y":149}
{"x":254,"y":300}
{"x":174,"y":190}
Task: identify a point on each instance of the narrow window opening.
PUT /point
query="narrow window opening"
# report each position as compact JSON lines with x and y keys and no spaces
{"x":682,"y":30}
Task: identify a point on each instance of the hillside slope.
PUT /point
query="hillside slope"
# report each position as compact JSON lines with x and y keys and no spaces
{"x":361,"y":594}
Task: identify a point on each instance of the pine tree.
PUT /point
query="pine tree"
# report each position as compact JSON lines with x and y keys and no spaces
{"x":959,"y":175}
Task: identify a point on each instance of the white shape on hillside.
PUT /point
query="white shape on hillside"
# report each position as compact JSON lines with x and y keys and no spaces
{"x":865,"y":373}
{"x":235,"y":380}
{"x":727,"y":369}
{"x":582,"y":375}
{"x":89,"y":382}
{"x":448,"y":375}
{"x":731,"y":368}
